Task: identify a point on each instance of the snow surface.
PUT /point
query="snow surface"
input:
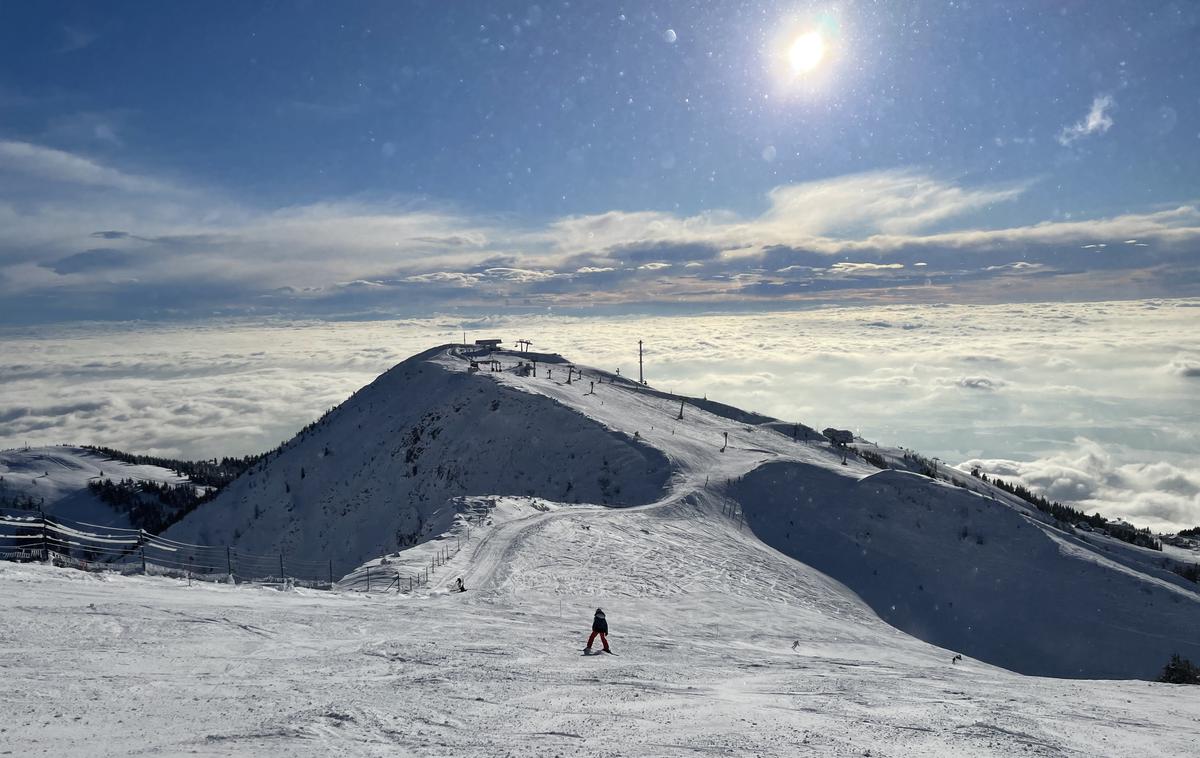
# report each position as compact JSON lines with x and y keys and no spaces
{"x":744,"y":583}
{"x":59,"y":475}
{"x":705,"y":622}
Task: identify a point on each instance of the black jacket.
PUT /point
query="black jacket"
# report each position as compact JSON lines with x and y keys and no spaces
{"x":600,"y":624}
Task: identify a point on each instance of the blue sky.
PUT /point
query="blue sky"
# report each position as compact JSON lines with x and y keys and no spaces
{"x":179,"y":159}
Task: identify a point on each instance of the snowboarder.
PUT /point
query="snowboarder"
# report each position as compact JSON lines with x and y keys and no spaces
{"x":459,"y":586}
{"x":600,"y":627}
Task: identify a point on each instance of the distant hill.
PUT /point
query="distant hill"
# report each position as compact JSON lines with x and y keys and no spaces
{"x":96,"y":487}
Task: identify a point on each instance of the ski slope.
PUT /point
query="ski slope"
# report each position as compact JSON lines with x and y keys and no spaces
{"x":764,"y":598}
{"x":951,"y":565}
{"x":724,"y":646}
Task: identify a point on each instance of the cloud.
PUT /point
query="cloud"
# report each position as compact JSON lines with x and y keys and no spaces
{"x":57,"y":412}
{"x":1185,"y":366}
{"x":979,"y":383}
{"x":92,"y":128}
{"x":94,"y":260}
{"x":77,"y":38}
{"x":153,"y":250}
{"x":847,"y":266}
{"x":1088,"y":476}
{"x":889,"y":202}
{"x":1097,"y":121}
{"x":47,"y":163}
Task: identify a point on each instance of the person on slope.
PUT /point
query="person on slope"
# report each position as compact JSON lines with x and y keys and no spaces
{"x":459,"y":586}
{"x":600,"y":627}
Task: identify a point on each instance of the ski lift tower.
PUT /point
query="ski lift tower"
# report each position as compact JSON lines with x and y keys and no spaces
{"x":641,"y":378}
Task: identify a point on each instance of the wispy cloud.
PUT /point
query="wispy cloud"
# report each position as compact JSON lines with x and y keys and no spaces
{"x":69,"y":168}
{"x":77,"y":38}
{"x":142,"y":242}
{"x":1097,"y":121}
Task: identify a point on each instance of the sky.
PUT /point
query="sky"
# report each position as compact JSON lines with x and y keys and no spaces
{"x":180,"y":160}
{"x":218,"y":219}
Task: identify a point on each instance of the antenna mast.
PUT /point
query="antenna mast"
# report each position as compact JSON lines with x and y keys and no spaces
{"x":641,"y":378}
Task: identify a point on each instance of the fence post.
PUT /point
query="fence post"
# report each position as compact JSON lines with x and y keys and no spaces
{"x":143,"y":546}
{"x":229,"y":562}
{"x":330,"y":573}
{"x":45,"y":537}
{"x":282,"y":575}
{"x":368,"y":580}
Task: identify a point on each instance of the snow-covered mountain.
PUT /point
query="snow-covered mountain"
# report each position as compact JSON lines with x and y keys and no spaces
{"x":764,"y":597}
{"x":379,"y":472}
{"x":968,"y":568}
{"x":57,"y":478}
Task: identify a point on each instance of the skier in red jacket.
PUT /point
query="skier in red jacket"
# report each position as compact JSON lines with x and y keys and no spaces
{"x":600,"y":627}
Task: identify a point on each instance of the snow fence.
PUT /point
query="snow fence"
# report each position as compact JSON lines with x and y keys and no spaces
{"x":35,"y":536}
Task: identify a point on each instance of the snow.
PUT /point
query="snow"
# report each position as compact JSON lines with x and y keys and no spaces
{"x":703,"y":619}
{"x":59,"y":476}
{"x":378,"y":471}
{"x":764,"y":598}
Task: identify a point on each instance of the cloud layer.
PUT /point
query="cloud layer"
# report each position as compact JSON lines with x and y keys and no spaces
{"x":82,"y":239}
{"x":1157,"y":494}
{"x":1093,"y":403}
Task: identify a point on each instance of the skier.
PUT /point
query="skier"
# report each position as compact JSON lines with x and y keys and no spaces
{"x":600,"y":627}
{"x":459,"y":586}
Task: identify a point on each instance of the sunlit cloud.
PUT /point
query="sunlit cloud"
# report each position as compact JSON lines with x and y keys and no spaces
{"x":38,"y":162}
{"x":1097,"y":121}
{"x":1160,"y":495}
{"x":145,"y":248}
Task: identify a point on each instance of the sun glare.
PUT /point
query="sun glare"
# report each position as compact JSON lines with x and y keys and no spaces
{"x":806,"y":52}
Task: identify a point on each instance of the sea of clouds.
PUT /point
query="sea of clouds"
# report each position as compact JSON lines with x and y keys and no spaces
{"x":1095,"y":404}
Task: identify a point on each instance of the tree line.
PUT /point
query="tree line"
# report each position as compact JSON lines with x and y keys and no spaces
{"x":152,"y":506}
{"x":1065,"y":513}
{"x":209,"y":473}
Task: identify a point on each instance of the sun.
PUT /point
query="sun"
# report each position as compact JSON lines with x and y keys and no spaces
{"x":806,"y":52}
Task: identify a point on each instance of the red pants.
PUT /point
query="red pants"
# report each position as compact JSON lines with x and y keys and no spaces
{"x":603,"y":639}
